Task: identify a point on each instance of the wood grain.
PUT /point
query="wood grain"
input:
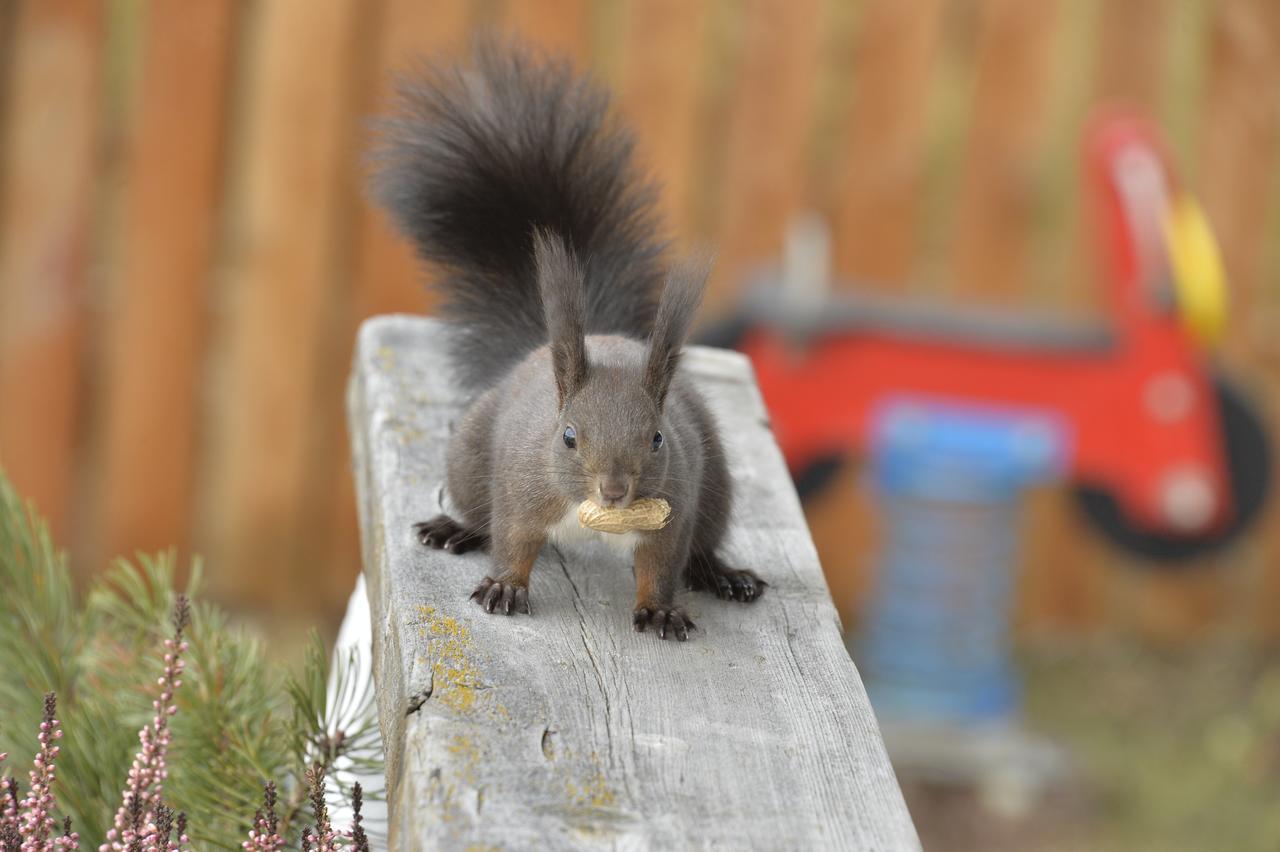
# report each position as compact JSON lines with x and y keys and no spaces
{"x":568,"y":730}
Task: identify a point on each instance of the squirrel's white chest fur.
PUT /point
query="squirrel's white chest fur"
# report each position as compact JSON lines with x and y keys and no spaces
{"x":569,"y":532}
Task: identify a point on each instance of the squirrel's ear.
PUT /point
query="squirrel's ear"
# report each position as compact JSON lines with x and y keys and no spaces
{"x":679,"y":302}
{"x":564,"y":311}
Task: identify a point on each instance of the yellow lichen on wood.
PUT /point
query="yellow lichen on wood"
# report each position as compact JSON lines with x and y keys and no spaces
{"x":595,"y":793}
{"x":455,"y":679}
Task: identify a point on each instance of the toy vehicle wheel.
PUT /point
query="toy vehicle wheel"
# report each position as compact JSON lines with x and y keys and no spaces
{"x":1249,"y":471}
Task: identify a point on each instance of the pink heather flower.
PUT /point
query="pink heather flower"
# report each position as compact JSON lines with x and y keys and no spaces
{"x":265,"y":834}
{"x":69,"y":838}
{"x":159,"y":836}
{"x":136,"y":820}
{"x":324,"y":838}
{"x":35,"y":812}
{"x":359,"y":840}
{"x":10,"y":837}
{"x":8,"y":802}
{"x":182,"y":841}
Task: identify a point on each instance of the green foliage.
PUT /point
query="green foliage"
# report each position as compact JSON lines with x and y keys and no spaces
{"x":242,"y":721}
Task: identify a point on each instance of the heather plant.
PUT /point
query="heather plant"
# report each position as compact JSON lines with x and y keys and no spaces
{"x":158,"y":724}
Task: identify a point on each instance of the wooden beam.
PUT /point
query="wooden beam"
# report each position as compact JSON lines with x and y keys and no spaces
{"x":566,"y":729}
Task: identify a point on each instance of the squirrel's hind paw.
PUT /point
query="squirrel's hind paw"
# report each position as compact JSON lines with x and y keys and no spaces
{"x":663,"y":620}
{"x":729,"y":584}
{"x":444,"y":533}
{"x":503,"y":598}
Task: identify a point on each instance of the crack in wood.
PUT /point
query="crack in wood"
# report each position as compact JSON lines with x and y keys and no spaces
{"x":419,"y":698}
{"x":548,"y":750}
{"x":595,"y":664}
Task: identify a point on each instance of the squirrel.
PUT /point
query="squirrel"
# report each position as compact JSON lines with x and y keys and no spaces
{"x":564,"y":322}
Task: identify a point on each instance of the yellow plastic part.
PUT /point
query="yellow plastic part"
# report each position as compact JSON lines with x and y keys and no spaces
{"x":1199,"y":278}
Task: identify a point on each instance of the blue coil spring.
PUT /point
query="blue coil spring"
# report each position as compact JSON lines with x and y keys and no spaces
{"x":935,"y":640}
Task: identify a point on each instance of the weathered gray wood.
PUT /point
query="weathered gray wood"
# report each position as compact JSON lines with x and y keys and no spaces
{"x":567,"y":730}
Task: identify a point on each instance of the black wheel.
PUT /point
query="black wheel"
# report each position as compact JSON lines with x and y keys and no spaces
{"x":1249,"y":471}
{"x":816,"y":476}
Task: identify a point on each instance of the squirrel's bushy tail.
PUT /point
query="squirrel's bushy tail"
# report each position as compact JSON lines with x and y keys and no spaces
{"x":476,"y":158}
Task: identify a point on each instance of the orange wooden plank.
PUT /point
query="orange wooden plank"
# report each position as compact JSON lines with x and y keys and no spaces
{"x":387,"y":276}
{"x":283,"y":272}
{"x":1240,"y":143}
{"x":48,"y":174}
{"x":991,"y":239}
{"x":661,"y":76}
{"x":1132,"y":71}
{"x":558,"y":26}
{"x":1132,"y":43}
{"x":877,"y":210}
{"x":153,"y":334}
{"x":1237,"y":144}
{"x":766,"y":148}
{"x":1076,"y":578}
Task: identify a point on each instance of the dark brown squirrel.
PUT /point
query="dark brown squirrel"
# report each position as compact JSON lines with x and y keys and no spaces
{"x":510,"y":175}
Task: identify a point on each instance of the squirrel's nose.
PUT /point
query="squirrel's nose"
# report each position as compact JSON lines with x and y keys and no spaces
{"x":613,"y":489}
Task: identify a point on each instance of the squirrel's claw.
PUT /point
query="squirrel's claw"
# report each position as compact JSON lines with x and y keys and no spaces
{"x":663,"y":620}
{"x":506,"y":598}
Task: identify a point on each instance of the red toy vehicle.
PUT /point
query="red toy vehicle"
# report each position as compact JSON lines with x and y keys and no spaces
{"x":1168,"y":460}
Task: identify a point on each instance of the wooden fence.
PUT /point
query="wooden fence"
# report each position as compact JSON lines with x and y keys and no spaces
{"x":185,"y":247}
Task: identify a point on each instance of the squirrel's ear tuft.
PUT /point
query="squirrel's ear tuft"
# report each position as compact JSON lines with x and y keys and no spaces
{"x":680,"y":298}
{"x":564,"y":311}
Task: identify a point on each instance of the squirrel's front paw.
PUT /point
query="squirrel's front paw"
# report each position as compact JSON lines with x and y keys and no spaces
{"x":664,"y":620}
{"x":497,"y":596}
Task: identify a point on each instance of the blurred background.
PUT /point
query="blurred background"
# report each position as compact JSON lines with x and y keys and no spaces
{"x":186,"y":252}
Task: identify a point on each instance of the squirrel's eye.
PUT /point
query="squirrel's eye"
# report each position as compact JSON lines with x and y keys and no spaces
{"x":657,"y":441}
{"x":570,"y":437}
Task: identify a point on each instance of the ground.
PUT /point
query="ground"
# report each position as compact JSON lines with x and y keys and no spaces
{"x":1171,"y":750}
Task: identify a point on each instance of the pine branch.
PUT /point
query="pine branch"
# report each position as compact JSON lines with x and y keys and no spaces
{"x":236,"y":728}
